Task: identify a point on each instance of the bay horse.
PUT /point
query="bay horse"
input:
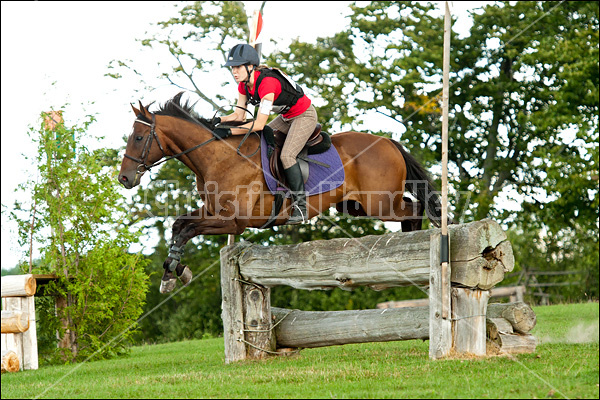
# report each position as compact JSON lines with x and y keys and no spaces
{"x":233,"y":189}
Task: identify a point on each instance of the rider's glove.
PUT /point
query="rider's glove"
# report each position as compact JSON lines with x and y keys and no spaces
{"x":222,"y":133}
{"x":215,"y":121}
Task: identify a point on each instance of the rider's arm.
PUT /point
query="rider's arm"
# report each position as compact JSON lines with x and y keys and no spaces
{"x":264,"y":109}
{"x":239,"y":114}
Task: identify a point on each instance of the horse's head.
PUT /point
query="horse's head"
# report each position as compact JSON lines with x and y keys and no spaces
{"x":143,"y":148}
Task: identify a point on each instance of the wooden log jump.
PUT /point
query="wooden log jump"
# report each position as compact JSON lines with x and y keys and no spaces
{"x":480,"y":256}
{"x":19,"y":336}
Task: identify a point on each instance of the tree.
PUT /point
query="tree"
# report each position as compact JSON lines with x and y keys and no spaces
{"x":76,"y":218}
{"x":512,"y":98}
{"x":523,"y":117}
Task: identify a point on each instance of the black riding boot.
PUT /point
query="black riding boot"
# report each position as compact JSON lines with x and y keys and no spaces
{"x":293,"y":175}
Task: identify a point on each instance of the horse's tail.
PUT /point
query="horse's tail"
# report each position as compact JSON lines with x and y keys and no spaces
{"x":420,"y":185}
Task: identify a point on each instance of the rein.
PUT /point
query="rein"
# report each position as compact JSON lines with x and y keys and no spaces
{"x":246,"y":135}
{"x":148,"y":144}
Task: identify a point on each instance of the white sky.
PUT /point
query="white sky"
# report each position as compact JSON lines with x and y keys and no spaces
{"x":56,"y":53}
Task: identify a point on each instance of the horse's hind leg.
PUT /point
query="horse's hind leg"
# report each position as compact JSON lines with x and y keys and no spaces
{"x":409,"y":213}
{"x":395,"y":208}
{"x":413,"y":222}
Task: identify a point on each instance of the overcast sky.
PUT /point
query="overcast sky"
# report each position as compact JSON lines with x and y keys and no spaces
{"x":56,"y":54}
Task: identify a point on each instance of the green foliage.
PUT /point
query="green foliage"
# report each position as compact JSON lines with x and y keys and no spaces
{"x":192,"y":312}
{"x":75,"y":217}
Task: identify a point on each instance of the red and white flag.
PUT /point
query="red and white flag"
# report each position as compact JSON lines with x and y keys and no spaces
{"x":255,"y":28}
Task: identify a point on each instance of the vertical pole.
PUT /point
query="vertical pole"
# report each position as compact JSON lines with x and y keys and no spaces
{"x":440,"y":329}
{"x":445,"y":256}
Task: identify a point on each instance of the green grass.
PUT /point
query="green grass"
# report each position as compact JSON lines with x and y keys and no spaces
{"x":565,"y":365}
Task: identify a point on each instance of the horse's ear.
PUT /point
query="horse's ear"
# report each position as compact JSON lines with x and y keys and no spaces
{"x":135,"y":110}
{"x":143,"y":110}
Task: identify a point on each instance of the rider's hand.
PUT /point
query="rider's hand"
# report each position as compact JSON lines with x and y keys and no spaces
{"x":222,"y":133}
{"x":215,"y":121}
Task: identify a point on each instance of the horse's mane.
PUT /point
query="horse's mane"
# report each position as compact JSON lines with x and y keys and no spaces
{"x":184,"y":110}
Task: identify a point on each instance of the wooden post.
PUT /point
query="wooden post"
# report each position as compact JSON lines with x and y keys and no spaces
{"x":257,"y":321}
{"x":30,"y":348}
{"x":468,"y":320}
{"x":445,"y":98}
{"x":232,"y":305}
{"x":246,"y":311}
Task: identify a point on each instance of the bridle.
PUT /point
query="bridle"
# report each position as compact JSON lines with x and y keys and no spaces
{"x":143,"y":160}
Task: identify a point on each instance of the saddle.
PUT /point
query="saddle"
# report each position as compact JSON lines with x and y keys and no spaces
{"x":317,"y":143}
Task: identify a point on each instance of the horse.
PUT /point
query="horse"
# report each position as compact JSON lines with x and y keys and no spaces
{"x":231,"y":183}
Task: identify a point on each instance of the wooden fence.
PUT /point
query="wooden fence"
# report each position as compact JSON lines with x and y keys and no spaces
{"x":19,"y":337}
{"x":480,"y":256}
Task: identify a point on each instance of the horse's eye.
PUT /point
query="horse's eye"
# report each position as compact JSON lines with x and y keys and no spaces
{"x":138,"y":138}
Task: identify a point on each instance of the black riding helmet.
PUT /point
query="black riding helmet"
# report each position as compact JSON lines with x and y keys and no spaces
{"x":242,"y":54}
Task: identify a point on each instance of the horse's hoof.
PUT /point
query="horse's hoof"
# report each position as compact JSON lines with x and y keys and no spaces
{"x":186,"y":276}
{"x":167,"y":286}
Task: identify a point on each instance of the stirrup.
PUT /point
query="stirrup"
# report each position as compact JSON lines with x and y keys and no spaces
{"x":297,"y":217}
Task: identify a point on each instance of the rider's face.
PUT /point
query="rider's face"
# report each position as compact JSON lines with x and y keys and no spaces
{"x":239,"y":73}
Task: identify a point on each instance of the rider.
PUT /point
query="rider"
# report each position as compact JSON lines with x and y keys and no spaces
{"x":274,"y":92}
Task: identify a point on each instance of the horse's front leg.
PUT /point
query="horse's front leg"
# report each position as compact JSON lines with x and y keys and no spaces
{"x":185,"y":228}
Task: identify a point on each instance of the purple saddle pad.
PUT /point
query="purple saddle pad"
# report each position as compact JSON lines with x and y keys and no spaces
{"x":321,"y":179}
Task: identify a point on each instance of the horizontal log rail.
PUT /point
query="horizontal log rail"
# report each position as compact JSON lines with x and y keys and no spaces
{"x":18,"y":285}
{"x":515,"y":292}
{"x":308,"y":329}
{"x":14,"y":321}
{"x":480,"y":256}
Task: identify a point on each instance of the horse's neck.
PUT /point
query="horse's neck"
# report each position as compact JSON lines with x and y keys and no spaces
{"x":183,"y":135}
{"x":209,"y":161}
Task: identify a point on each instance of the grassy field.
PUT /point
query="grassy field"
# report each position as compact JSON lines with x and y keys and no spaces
{"x":565,"y":365}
